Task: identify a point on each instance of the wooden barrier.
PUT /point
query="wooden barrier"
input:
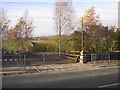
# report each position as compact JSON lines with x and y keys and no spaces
{"x":74,"y":55}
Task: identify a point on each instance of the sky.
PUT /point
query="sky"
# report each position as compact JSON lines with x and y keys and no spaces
{"x":42,"y":12}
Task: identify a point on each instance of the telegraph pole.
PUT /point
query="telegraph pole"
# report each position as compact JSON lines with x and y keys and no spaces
{"x":119,"y":14}
{"x":81,"y":53}
{"x":82,"y":34}
{"x":59,"y":42}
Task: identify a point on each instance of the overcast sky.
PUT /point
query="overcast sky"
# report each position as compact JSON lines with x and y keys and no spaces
{"x":42,"y":12}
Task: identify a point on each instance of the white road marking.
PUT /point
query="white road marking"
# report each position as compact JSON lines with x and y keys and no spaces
{"x":108,"y":67}
{"x":109,"y":85}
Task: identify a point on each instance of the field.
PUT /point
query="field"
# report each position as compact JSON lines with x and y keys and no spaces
{"x":38,"y":41}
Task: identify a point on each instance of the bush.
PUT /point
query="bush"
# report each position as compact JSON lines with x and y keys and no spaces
{"x":44,"y":47}
{"x":11,"y":45}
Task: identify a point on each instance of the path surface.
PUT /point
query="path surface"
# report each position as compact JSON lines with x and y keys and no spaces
{"x":49,"y":68}
{"x":70,"y":79}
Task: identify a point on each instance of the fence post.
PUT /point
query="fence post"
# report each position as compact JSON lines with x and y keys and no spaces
{"x":43,"y":57}
{"x":91,"y":56}
{"x":17,"y":58}
{"x":24,"y":63}
{"x":109,"y":57}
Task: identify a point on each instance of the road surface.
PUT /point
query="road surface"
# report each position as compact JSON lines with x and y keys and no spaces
{"x":99,"y":78}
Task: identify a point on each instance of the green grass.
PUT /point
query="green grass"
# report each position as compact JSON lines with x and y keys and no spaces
{"x":39,"y":41}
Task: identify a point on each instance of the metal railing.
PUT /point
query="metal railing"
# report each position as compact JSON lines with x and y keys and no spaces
{"x":13,"y":59}
{"x":98,"y":56}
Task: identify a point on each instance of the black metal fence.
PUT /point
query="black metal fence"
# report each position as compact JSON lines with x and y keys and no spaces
{"x":101,"y":56}
{"x":18,"y":59}
{"x":51,"y":56}
{"x":46,"y":56}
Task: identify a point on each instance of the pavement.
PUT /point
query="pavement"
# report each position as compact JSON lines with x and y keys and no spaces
{"x":54,"y":68}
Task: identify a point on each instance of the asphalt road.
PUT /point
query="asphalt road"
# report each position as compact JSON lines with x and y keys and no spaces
{"x":99,"y":78}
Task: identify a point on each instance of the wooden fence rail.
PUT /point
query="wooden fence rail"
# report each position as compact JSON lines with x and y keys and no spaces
{"x":74,"y":55}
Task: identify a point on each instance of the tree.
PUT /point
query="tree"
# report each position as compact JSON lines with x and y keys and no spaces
{"x":24,"y":27}
{"x":76,"y":38}
{"x":114,"y":38}
{"x":118,"y":39}
{"x":64,"y":16}
{"x":96,"y":37}
{"x":4,"y":24}
{"x":22,"y":31}
{"x":90,"y":24}
{"x":90,"y":19}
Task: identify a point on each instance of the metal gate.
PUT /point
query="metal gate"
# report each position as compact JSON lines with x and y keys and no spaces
{"x":13,"y":59}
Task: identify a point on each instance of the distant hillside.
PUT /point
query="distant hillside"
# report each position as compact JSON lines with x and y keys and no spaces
{"x":43,"y":37}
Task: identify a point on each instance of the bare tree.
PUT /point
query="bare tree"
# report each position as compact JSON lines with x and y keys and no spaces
{"x":22,"y":31}
{"x":4,"y":24}
{"x":64,"y":16}
{"x":24,"y":27}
